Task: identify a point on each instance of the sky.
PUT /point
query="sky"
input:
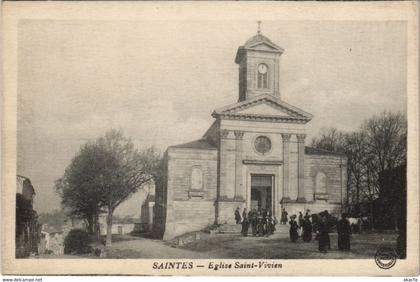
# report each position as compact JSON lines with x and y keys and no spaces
{"x":159,"y":81}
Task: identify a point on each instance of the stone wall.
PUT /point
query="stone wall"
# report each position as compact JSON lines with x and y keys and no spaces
{"x":334,"y":167}
{"x":270,"y":163}
{"x":190,"y":208}
{"x":335,"y":170}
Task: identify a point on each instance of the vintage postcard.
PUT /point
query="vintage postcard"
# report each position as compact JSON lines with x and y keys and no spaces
{"x":210,"y":138}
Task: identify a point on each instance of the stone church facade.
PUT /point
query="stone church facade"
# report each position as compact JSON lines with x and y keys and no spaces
{"x":252,"y":156}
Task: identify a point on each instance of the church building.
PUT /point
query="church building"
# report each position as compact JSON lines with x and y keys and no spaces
{"x":252,"y":156}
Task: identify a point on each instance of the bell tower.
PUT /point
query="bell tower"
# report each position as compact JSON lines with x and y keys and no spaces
{"x":259,"y":66}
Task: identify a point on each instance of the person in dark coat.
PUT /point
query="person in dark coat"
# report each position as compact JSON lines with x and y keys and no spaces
{"x":323,"y":237}
{"x":283,"y":216}
{"x":237,"y":216}
{"x":307,"y":230}
{"x":293,"y":231}
{"x":329,"y":224}
{"x":252,"y":217}
{"x":244,"y":214}
{"x":344,"y":231}
{"x":260,"y":224}
{"x":245,"y":224}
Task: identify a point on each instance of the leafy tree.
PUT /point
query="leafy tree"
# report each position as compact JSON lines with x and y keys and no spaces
{"x":104,"y":174}
{"x":79,"y":189}
{"x":125,"y":171}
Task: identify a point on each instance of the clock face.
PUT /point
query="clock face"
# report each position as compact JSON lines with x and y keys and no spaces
{"x":262,"y":69}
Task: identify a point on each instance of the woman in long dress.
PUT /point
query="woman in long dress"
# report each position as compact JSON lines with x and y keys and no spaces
{"x":344,"y":231}
{"x":324,"y":237}
{"x":307,"y":230}
{"x":293,"y":231}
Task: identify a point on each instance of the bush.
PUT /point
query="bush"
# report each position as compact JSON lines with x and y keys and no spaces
{"x":77,"y":242}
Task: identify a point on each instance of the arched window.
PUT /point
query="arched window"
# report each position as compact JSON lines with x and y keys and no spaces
{"x":262,"y":76}
{"x":196,"y":179}
{"x":320,"y":183}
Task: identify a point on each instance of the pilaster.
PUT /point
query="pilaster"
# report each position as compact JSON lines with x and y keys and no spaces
{"x":238,"y":164}
{"x":301,"y":167}
{"x":286,"y":161}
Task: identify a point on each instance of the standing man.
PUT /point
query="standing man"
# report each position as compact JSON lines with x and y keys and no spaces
{"x":237,"y":216}
{"x":344,"y":231}
{"x":283,"y":216}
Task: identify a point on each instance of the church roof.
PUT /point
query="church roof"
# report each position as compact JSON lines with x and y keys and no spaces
{"x":202,"y":144}
{"x":316,"y":151}
{"x":260,"y":38}
{"x":275,"y":110}
{"x":254,"y":42}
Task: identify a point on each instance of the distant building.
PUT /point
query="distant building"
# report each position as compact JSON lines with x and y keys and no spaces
{"x":134,"y":215}
{"x":147,"y":212}
{"x":120,"y":226}
{"x":52,"y":240}
{"x":27,"y":228}
{"x":25,"y":188}
{"x":252,"y":156}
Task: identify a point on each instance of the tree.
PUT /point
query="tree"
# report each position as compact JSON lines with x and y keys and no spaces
{"x":355,"y":149}
{"x":125,"y":172}
{"x":387,"y":140}
{"x":379,"y":144}
{"x":79,"y":189}
{"x":104,"y":174}
{"x":330,"y":139}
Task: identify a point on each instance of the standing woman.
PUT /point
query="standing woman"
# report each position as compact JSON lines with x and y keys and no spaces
{"x":284,"y":216}
{"x":252,"y":216}
{"x":260,"y":224}
{"x":324,"y":237}
{"x":245,"y":223}
{"x":293,"y":231}
{"x":307,"y":230}
{"x":344,"y":231}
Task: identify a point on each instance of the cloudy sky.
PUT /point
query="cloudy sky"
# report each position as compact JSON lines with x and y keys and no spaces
{"x":159,"y":81}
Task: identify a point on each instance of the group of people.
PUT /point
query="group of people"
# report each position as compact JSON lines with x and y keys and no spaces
{"x":321,"y":224}
{"x":262,"y":222}
{"x":303,"y":226}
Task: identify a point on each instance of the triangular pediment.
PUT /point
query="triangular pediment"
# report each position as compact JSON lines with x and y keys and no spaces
{"x":263,"y":46}
{"x":263,"y":107}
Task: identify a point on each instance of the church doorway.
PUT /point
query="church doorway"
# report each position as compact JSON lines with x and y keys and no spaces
{"x":262,"y":192}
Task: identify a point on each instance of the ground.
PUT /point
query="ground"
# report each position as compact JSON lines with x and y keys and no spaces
{"x":277,"y":246}
{"x":218,"y":246}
